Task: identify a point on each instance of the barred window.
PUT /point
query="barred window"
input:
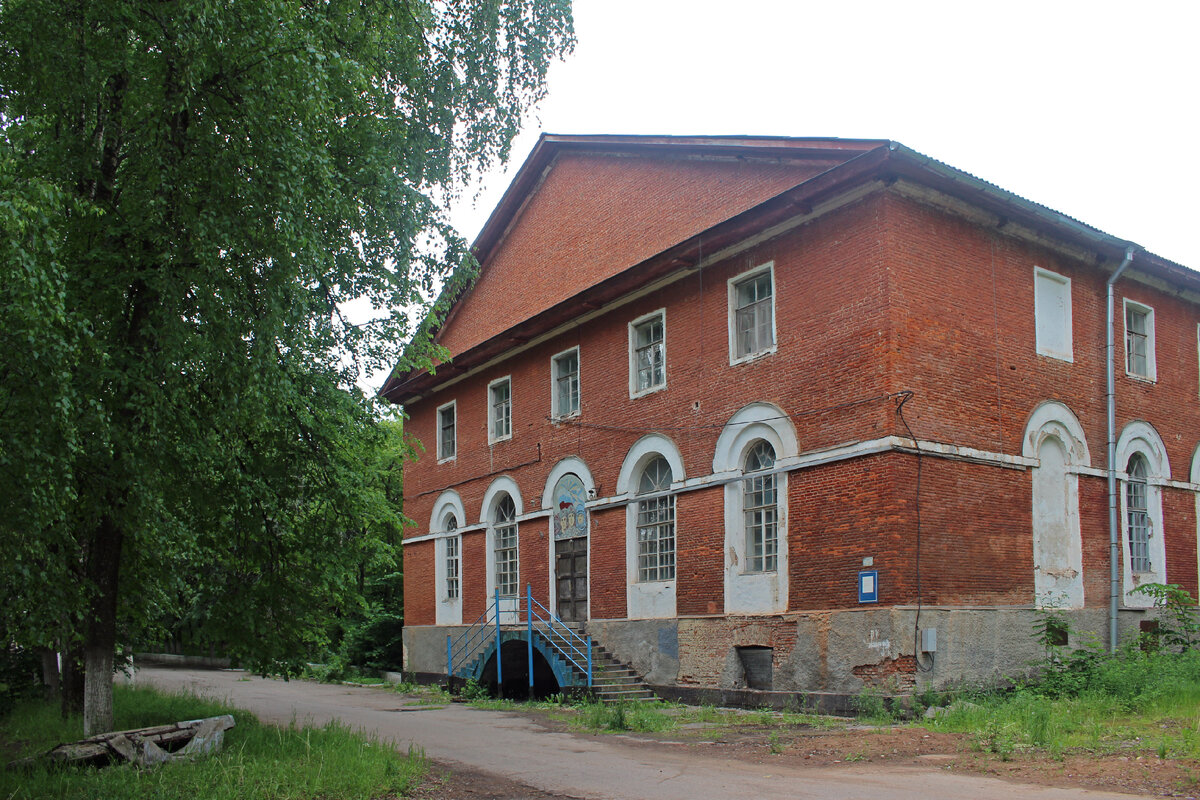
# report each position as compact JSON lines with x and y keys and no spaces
{"x":759,"y":505}
{"x":754,"y":315}
{"x":656,"y":524}
{"x":452,"y":559}
{"x":506,"y":547}
{"x":1137,"y":514}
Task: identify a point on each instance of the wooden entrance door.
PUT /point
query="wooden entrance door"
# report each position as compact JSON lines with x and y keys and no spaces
{"x":570,"y":572}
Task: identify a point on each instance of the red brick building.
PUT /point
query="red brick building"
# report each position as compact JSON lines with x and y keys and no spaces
{"x":714,"y":395}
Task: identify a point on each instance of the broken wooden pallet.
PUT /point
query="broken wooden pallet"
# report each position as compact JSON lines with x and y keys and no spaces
{"x":142,"y":746}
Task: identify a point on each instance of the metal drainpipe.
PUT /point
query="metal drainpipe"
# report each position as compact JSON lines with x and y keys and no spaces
{"x":1114,"y":538}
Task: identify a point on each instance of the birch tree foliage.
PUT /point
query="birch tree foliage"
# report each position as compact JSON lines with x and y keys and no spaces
{"x":191,"y":191}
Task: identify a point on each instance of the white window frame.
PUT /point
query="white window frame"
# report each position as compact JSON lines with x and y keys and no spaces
{"x":732,"y":309}
{"x":1151,"y":368}
{"x":1145,"y":523}
{"x":452,"y":407}
{"x":655,"y":599}
{"x":555,"y":408}
{"x":493,"y":437}
{"x":498,"y":550}
{"x":452,"y":561}
{"x":756,"y":483}
{"x":656,"y":511}
{"x":634,"y":391}
{"x":447,"y":510}
{"x":1040,"y":314}
{"x":1141,"y":438}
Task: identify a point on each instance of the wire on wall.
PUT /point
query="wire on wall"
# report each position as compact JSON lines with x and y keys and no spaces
{"x":917,"y":622}
{"x":900,"y":397}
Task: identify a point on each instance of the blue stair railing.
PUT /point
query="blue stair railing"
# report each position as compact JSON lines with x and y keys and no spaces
{"x":463,"y":651}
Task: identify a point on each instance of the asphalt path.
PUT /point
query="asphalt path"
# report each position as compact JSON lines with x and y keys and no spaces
{"x":578,"y":765}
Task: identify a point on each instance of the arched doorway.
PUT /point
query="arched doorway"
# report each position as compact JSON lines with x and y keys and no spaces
{"x":569,"y":521}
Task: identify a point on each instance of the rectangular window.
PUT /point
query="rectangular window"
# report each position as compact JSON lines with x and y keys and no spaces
{"x":656,"y":538}
{"x":447,"y":440}
{"x":1052,"y":314}
{"x":452,"y":563}
{"x":1137,"y":516}
{"x":1139,"y":341}
{"x":506,"y":558}
{"x":500,"y":410}
{"x":762,"y":523}
{"x":649,"y":364}
{"x":752,"y":314}
{"x":565,"y":368}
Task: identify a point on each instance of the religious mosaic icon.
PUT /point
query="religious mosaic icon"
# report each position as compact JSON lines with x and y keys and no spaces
{"x":570,"y":516}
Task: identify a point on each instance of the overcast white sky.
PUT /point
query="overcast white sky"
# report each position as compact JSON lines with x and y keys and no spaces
{"x":1090,"y":108}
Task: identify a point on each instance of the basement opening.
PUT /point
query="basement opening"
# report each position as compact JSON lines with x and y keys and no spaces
{"x":758,"y":666}
{"x":514,"y":667}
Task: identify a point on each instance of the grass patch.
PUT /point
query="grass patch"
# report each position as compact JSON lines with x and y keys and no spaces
{"x":257,"y":761}
{"x":1146,"y":703}
{"x":642,"y":717}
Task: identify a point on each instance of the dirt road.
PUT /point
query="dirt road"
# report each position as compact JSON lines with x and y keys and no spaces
{"x":579,"y":765}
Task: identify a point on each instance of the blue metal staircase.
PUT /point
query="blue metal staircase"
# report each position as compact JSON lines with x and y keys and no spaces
{"x":524,"y":619}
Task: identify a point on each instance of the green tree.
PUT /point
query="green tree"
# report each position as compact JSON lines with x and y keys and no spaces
{"x":190,"y":195}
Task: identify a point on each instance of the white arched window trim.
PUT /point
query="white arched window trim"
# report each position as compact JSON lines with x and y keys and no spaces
{"x":1057,"y":565}
{"x":496,"y":491}
{"x":754,"y":592}
{"x":449,"y":505}
{"x":568,"y":465}
{"x":1141,"y":437}
{"x":653,"y":599}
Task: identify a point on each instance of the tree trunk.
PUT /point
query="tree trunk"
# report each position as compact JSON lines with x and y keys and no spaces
{"x":103,"y":564}
{"x":98,"y":690}
{"x":50,"y":681}
{"x":72,"y":682}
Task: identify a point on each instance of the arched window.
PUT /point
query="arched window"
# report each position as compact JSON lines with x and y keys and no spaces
{"x":452,"y":563}
{"x":761,"y":509}
{"x":505,"y":523}
{"x":1137,"y":513}
{"x":656,"y":523}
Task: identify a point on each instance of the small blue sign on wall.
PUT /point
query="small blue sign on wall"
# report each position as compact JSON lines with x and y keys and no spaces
{"x":868,"y":586}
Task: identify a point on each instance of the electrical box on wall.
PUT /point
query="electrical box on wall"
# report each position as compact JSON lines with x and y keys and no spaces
{"x":868,"y":586}
{"x":929,"y":640}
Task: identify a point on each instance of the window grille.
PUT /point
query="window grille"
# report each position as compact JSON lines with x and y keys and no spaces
{"x":754,"y":317}
{"x":1137,"y":514}
{"x":566,"y":384}
{"x":506,"y":548}
{"x":656,"y":524}
{"x":761,"y":510}
{"x":650,"y":356}
{"x":501,"y":402}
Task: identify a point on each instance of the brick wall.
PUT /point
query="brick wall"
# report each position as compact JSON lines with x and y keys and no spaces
{"x":882,"y":295}
{"x":567,"y":239}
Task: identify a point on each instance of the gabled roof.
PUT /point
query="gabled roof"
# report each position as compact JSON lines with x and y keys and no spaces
{"x":834,"y":168}
{"x":583,"y":208}
{"x":550,"y":145}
